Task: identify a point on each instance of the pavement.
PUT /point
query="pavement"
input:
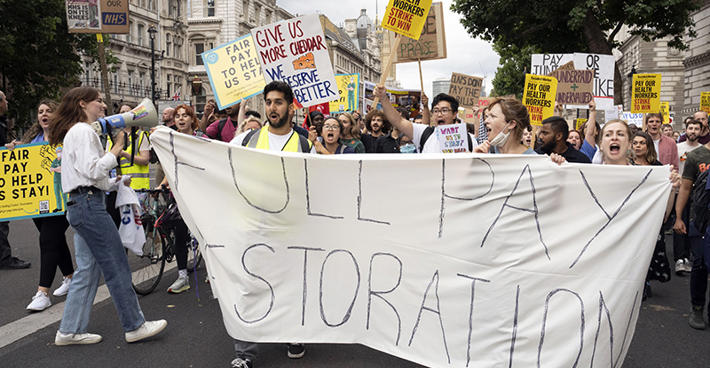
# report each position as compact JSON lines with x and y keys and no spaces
{"x":195,"y":336}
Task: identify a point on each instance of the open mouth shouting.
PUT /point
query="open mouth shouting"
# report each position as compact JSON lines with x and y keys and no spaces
{"x":614,"y":148}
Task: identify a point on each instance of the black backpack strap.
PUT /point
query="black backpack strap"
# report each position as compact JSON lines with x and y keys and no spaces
{"x":305,"y":143}
{"x":425,"y":135}
{"x":470,"y":142}
{"x":248,"y":136}
{"x":220,"y":126}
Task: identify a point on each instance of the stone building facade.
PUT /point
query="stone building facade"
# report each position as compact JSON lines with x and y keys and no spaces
{"x":697,"y":62}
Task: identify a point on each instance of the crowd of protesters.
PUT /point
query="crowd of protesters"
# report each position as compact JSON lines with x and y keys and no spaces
{"x":504,"y":127}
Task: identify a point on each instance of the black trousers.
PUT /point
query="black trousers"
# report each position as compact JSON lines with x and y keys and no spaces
{"x":53,"y":248}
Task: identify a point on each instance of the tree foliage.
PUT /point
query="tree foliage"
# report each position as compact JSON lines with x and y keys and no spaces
{"x":38,"y":57}
{"x":519,"y":27}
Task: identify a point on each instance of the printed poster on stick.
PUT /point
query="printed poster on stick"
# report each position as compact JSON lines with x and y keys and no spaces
{"x":705,"y":101}
{"x":348,"y":92}
{"x":406,"y":17}
{"x":440,"y":293}
{"x":432,"y":41}
{"x":30,"y":182}
{"x":539,"y":97}
{"x":234,"y":71}
{"x":646,"y":93}
{"x":97,"y":16}
{"x":466,"y":89}
{"x":294,"y":51}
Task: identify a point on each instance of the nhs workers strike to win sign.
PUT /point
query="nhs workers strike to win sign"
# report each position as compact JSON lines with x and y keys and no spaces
{"x":480,"y":261}
{"x":294,"y":51}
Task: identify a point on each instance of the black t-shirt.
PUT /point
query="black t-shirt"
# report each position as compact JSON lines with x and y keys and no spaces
{"x":573,"y":155}
{"x":387,"y":144}
{"x":698,"y":161}
{"x":370,"y":142}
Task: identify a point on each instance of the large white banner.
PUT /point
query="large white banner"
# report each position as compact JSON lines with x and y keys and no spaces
{"x":602,"y":65}
{"x":445,"y":260}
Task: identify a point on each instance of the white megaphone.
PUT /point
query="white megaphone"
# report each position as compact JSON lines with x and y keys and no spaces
{"x":143,"y":115}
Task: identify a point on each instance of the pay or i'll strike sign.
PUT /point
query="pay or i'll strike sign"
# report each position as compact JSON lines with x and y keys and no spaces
{"x":406,"y":17}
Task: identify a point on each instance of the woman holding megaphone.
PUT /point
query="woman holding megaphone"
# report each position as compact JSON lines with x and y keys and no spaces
{"x":97,"y":245}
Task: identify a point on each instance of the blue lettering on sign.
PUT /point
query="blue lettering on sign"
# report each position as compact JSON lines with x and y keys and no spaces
{"x":114,"y":19}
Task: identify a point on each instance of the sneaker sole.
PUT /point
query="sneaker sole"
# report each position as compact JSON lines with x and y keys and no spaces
{"x":37,"y":309}
{"x":81,"y":342}
{"x":179,"y":290}
{"x":147,"y":336}
{"x":296,"y":356}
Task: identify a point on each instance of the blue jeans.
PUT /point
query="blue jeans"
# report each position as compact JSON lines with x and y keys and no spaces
{"x":98,"y":249}
{"x":246,"y":349}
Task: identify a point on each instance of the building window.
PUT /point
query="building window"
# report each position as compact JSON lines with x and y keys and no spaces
{"x":130,"y":82}
{"x":141,"y":30}
{"x":115,"y":82}
{"x":177,"y":47}
{"x":199,"y":49}
{"x":245,"y":9}
{"x":167,"y":84}
{"x":209,"y":8}
{"x":141,"y":79}
{"x":168,"y":44}
{"x":130,"y":32}
{"x":257,"y":13}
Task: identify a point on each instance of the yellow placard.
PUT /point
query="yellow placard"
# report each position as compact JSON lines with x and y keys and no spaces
{"x":30,"y":182}
{"x":705,"y":101}
{"x":234,"y":71}
{"x":406,"y":17}
{"x":579,"y":122}
{"x":539,"y":97}
{"x":665,"y":112}
{"x":646,"y":93}
{"x":348,"y":89}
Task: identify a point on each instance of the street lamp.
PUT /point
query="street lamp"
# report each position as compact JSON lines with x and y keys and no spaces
{"x":151,"y":32}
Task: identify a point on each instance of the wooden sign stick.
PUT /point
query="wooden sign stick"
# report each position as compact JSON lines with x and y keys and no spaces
{"x":388,"y":66}
{"x":421,"y":79}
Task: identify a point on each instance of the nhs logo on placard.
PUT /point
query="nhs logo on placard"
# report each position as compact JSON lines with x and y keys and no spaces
{"x":114,"y":19}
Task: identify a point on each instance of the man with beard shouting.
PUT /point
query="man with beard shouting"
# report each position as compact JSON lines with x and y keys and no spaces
{"x":552,"y":138}
{"x":277,"y":135}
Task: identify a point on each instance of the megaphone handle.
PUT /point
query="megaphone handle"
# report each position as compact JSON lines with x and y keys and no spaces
{"x":133,"y":143}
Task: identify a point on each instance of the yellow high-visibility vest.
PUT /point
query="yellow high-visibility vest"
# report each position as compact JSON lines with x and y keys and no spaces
{"x":140,"y":174}
{"x":294,"y":143}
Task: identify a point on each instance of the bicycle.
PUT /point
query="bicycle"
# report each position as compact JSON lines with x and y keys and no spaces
{"x":158,"y":220}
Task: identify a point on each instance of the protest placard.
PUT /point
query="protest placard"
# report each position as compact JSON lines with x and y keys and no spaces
{"x":234,"y":71}
{"x":665,"y":112}
{"x":97,"y":16}
{"x":30,"y":183}
{"x":467,"y":115}
{"x":432,"y":41}
{"x":615,"y":113}
{"x":574,"y":87}
{"x":452,"y":138}
{"x":539,"y":97}
{"x":646,"y":93}
{"x":466,"y":89}
{"x":442,"y":293}
{"x":406,"y":17}
{"x":602,"y":65}
{"x":409,"y":99}
{"x":349,"y":91}
{"x":294,"y":51}
{"x":632,"y":118}
{"x":705,"y":101}
{"x":579,"y":122}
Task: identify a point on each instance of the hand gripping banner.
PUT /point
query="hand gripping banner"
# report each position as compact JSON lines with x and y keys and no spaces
{"x":446,"y":260}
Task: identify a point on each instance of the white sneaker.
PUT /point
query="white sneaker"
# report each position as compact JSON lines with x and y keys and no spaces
{"x":76,"y":339}
{"x":146,"y":330}
{"x":180,"y":285}
{"x":679,"y":266}
{"x":687,"y":266}
{"x":39,"y":302}
{"x":63,"y":289}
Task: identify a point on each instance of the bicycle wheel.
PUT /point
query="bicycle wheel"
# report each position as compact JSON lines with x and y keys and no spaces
{"x":148,"y":268}
{"x":194,"y":257}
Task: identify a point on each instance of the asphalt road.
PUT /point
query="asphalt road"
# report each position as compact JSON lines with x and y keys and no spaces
{"x":196,"y":336}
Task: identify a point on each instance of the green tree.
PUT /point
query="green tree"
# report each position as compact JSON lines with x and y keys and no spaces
{"x":519,"y":28}
{"x":38,"y":57}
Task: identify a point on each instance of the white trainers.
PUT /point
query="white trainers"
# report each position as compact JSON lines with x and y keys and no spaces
{"x":687,"y":266}
{"x":76,"y":339}
{"x":39,"y":302}
{"x":63,"y":289}
{"x":146,"y":330}
{"x":181,"y":284}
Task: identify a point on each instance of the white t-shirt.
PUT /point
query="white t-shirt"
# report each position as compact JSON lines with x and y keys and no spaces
{"x":683,"y":149}
{"x":655,"y":145}
{"x":276,"y":142}
{"x":432,"y":144}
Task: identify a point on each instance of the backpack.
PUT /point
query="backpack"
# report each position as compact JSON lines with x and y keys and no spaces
{"x":220,"y":126}
{"x":699,"y":201}
{"x":430,"y":130}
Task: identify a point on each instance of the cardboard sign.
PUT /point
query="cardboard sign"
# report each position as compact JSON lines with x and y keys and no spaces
{"x":575,"y":87}
{"x":466,"y":89}
{"x":539,"y":97}
{"x":415,"y":278}
{"x":432,"y":41}
{"x":665,"y":112}
{"x":30,"y":182}
{"x":97,"y":16}
{"x":602,"y":65}
{"x":406,"y":17}
{"x":294,"y":51}
{"x":234,"y":71}
{"x":452,"y":138}
{"x":468,"y":115}
{"x":406,"y":98}
{"x":348,"y":90}
{"x":705,"y":101}
{"x":646,"y":93}
{"x":632,"y":118}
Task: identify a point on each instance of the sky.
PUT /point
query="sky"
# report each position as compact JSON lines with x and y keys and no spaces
{"x":466,"y":55}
